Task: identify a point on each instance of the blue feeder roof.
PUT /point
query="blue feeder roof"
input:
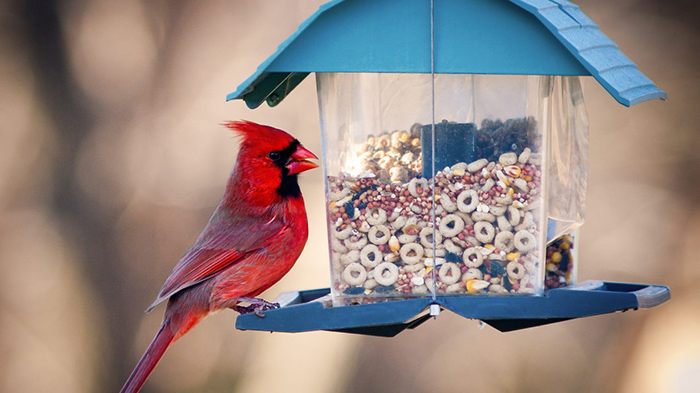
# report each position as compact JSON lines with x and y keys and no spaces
{"x":522,"y":37}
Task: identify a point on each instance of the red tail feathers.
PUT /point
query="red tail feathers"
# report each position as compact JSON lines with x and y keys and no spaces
{"x":150,"y":358}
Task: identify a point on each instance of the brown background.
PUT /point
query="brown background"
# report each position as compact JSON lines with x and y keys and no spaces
{"x":112,"y":158}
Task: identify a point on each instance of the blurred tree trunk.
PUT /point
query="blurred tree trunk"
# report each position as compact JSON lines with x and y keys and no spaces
{"x":91,"y":231}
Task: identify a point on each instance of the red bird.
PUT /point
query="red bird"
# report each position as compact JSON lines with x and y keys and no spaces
{"x":251,"y":241}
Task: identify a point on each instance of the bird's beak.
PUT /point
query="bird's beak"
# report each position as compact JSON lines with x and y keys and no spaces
{"x":298,"y":161}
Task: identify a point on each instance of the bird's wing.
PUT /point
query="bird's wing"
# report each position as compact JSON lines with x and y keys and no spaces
{"x":222,"y":244}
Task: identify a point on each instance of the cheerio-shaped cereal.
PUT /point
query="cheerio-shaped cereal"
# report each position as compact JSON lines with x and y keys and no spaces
{"x":414,"y":184}
{"x":450,"y":273}
{"x":450,"y":246}
{"x":503,"y":223}
{"x":513,"y":215}
{"x":386,"y":274}
{"x":399,"y":222}
{"x":528,"y":220}
{"x":467,"y":201}
{"x":379,"y":234}
{"x":350,"y":257}
{"x":342,"y":234}
{"x":505,"y":200}
{"x":411,"y":253}
{"x":370,"y":256}
{"x":504,"y":241}
{"x":337,"y":245}
{"x":473,"y":257}
{"x":408,"y":236}
{"x":447,"y":203}
{"x":428,"y":235}
{"x":483,"y":216}
{"x":483,"y":231}
{"x":497,"y":210}
{"x":472,"y":274}
{"x":524,"y":241}
{"x":451,"y":225}
{"x":376,"y":216}
{"x":356,"y":242}
{"x":354,"y":274}
{"x":515,"y":270}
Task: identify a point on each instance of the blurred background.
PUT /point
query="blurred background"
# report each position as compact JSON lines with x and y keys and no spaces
{"x":112,"y":158}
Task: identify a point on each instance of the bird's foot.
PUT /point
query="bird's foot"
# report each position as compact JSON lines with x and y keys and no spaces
{"x":243,"y":309}
{"x":258,"y":306}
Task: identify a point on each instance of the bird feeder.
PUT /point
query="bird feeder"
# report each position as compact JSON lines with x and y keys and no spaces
{"x":454,"y":137}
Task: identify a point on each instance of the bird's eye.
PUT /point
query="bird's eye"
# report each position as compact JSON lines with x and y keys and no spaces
{"x":274,"y":156}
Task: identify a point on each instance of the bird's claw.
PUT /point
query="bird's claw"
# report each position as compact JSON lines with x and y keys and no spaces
{"x":243,"y":309}
{"x":258,"y":306}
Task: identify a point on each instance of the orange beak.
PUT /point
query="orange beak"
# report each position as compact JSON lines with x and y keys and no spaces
{"x":298,"y":161}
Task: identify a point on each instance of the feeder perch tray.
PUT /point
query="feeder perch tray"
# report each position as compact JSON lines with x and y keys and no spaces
{"x":310,"y":310}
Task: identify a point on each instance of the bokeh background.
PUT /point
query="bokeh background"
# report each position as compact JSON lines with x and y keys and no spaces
{"x":112,"y":158}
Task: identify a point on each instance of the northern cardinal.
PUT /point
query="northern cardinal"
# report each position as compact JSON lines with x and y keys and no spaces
{"x":252,"y":240}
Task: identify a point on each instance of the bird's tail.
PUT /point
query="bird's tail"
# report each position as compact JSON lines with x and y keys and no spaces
{"x":150,"y":358}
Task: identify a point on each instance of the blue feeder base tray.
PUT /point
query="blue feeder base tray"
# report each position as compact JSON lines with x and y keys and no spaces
{"x":303,"y":311}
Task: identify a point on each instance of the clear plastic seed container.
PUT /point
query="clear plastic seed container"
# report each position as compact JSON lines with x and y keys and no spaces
{"x":469,"y":205}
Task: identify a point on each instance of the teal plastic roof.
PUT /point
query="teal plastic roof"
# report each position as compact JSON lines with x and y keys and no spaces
{"x":522,"y":37}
